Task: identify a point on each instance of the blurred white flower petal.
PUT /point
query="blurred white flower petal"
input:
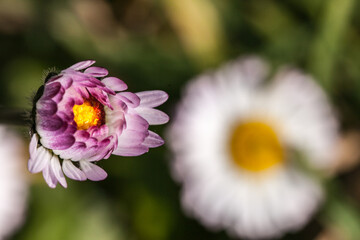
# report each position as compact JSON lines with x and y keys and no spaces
{"x":233,"y":142}
{"x":13,"y":185}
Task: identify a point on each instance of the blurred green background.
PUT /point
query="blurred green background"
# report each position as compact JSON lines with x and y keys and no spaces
{"x":161,"y":44}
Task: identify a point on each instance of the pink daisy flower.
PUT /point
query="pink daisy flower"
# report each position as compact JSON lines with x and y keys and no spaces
{"x":81,"y":116}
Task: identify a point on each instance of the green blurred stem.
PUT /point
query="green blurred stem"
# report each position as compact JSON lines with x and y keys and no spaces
{"x":327,"y":42}
{"x":340,"y":212}
{"x":12,"y":116}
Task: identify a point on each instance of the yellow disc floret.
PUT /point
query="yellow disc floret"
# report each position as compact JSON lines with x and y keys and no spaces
{"x":255,"y":147}
{"x":88,"y":114}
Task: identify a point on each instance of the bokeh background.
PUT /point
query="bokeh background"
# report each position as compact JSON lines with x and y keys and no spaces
{"x":162,"y":44}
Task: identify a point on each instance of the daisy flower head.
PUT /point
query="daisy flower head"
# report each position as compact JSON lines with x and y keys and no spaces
{"x":236,"y":141}
{"x":81,"y":116}
{"x":13,"y":185}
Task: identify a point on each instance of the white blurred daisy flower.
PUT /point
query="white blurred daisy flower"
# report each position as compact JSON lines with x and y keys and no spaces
{"x":236,"y":142}
{"x":13,"y":185}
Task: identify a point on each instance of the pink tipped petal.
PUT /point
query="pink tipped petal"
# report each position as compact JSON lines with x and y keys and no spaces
{"x":153,"y":116}
{"x":46,"y":107}
{"x":41,"y":160}
{"x":73,"y":172}
{"x":115,"y":84}
{"x":97,"y":71}
{"x":92,"y":171}
{"x":136,"y":122}
{"x":61,"y":142}
{"x":33,"y":145}
{"x":66,"y":82}
{"x":82,"y":65}
{"x":131,"y":151}
{"x":56,"y":169}
{"x":52,"y":90}
{"x":100,"y":96}
{"x":131,"y":138}
{"x":49,"y":177}
{"x":152,"y":98}
{"x":131,"y":99}
{"x":153,"y":140}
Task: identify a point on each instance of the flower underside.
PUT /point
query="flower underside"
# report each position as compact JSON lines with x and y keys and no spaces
{"x":90,"y":113}
{"x":254,"y":146}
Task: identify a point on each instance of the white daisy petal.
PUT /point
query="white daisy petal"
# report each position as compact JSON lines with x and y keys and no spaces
{"x":49,"y":176}
{"x":57,"y":171}
{"x":92,"y":171}
{"x":33,"y":146}
{"x":41,"y":160}
{"x":72,"y":172}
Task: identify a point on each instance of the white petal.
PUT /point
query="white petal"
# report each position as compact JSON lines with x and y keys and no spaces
{"x":73,"y":172}
{"x":49,"y":176}
{"x":92,"y":171}
{"x":33,"y":145}
{"x":41,"y":160}
{"x":55,"y":167}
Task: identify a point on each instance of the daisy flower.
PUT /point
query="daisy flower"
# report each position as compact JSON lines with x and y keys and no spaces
{"x":80,"y":116}
{"x":237,"y":140}
{"x":13,"y":186}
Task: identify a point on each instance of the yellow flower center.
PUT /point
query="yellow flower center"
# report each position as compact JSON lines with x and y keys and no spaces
{"x":255,"y":147}
{"x":90,"y":113}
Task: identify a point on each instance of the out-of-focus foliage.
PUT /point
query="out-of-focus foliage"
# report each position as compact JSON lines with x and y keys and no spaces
{"x":161,"y":44}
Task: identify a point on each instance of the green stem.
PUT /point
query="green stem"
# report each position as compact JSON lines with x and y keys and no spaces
{"x":327,"y":42}
{"x":341,"y":213}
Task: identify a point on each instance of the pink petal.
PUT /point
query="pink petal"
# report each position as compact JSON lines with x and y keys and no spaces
{"x":46,"y":107}
{"x":97,"y":71}
{"x":51,"y":90}
{"x":82,"y":65}
{"x":131,"y":138}
{"x":49,"y":177}
{"x":153,"y":140}
{"x":131,"y":99}
{"x":114,"y":83}
{"x":41,"y":160}
{"x":135,"y":132}
{"x":55,"y":167}
{"x":66,"y":82}
{"x":100,"y":96}
{"x":74,"y":153}
{"x":153,"y":116}
{"x":136,"y":122}
{"x":61,"y":142}
{"x":152,"y":98}
{"x":92,"y":171}
{"x":131,"y":151}
{"x":73,"y":172}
